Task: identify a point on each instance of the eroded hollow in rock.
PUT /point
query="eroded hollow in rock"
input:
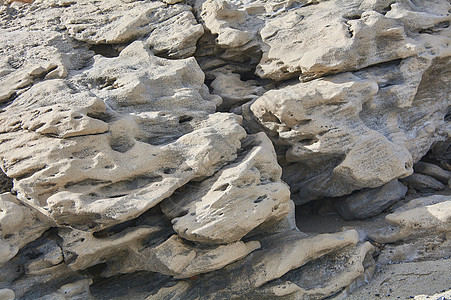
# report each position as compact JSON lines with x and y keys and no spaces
{"x":223,"y":149}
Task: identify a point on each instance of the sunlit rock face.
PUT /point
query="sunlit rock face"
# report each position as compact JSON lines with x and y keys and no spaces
{"x":191,"y":149}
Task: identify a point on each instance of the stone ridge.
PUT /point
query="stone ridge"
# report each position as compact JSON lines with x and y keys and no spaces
{"x":216,"y":149}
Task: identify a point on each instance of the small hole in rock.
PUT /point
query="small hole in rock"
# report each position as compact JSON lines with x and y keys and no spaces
{"x":260,"y":199}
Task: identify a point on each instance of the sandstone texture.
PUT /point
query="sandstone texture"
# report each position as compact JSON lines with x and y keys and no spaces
{"x":224,"y":149}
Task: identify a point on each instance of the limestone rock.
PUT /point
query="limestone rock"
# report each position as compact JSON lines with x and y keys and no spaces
{"x":332,"y":128}
{"x":76,"y":290}
{"x":172,"y":1}
{"x":368,"y":203}
{"x":144,"y":146}
{"x":418,"y":217}
{"x":286,"y":255}
{"x":413,"y":279}
{"x":429,"y":248}
{"x":433,"y":171}
{"x":19,"y":225}
{"x":237,"y":199}
{"x":171,"y":257}
{"x":124,"y":22}
{"x":233,"y":90}
{"x":295,"y":252}
{"x":38,"y":269}
{"x":220,"y":18}
{"x":7,"y":294}
{"x":39,"y":54}
{"x":355,"y":42}
{"x":341,"y":271}
{"x":84,"y":180}
{"x":351,"y":37}
{"x":183,"y":32}
{"x":323,"y":134}
{"x":423,"y":183}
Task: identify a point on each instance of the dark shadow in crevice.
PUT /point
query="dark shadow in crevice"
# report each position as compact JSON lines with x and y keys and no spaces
{"x":138,"y":285}
{"x":107,"y":50}
{"x":6,"y":183}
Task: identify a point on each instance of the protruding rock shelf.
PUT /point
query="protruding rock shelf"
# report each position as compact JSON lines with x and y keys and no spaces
{"x":223,"y":149}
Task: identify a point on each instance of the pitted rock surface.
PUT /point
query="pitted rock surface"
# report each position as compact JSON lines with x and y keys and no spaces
{"x":202,"y":149}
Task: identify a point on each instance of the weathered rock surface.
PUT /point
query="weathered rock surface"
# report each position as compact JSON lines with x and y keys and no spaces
{"x":158,"y":149}
{"x":423,"y":183}
{"x":418,"y":217}
{"x":249,"y":187}
{"x":371,"y":202}
{"x":433,"y":170}
{"x":332,"y":128}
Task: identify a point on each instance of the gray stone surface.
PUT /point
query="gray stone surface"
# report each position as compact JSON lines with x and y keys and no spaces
{"x":371,"y":202}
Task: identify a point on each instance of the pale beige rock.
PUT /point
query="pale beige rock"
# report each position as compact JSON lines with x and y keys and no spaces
{"x":356,"y":267}
{"x":172,"y":292}
{"x":76,"y":290}
{"x":408,"y":280}
{"x":319,"y":122}
{"x":30,"y":60}
{"x":291,"y":254}
{"x":107,"y":149}
{"x":237,"y":199}
{"x":432,"y":247}
{"x":220,"y":18}
{"x":84,"y":181}
{"x":327,"y":127}
{"x":351,"y":38}
{"x":7,"y":294}
{"x":176,"y":37}
{"x":124,"y":22}
{"x":172,"y":257}
{"x":286,"y":256}
{"x":19,"y":225}
{"x":172,"y":1}
{"x":418,"y":217}
{"x":233,"y":90}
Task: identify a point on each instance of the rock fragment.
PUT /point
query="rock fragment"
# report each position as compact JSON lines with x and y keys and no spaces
{"x":370,"y":202}
{"x":423,"y":183}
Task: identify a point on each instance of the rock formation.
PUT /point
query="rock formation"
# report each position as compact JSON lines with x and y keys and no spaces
{"x":186,"y":149}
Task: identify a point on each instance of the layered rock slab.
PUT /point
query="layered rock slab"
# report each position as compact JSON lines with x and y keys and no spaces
{"x":250,"y":187}
{"x":87,"y":149}
{"x":284,"y":255}
{"x":351,"y":131}
{"x":126,"y":113}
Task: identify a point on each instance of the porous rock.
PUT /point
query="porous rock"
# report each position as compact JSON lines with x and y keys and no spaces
{"x":124,"y":180}
{"x":249,"y":187}
{"x":334,"y":129}
{"x":419,"y":217}
{"x":92,"y":155}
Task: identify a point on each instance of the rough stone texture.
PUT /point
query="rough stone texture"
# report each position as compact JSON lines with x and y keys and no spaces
{"x":371,"y":202}
{"x":19,"y":225}
{"x":418,"y":217}
{"x":432,"y":170}
{"x":249,"y":187}
{"x":423,"y":183}
{"x":158,"y":149}
{"x":350,"y":131}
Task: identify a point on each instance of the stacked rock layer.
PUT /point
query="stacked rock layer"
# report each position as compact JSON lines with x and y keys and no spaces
{"x":166,"y":149}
